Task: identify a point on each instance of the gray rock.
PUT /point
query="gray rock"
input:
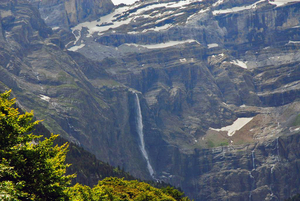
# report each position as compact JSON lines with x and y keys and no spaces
{"x":65,"y":14}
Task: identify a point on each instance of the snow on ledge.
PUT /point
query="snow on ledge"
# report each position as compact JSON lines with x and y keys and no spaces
{"x":211,"y":45}
{"x":240,"y":63}
{"x":237,"y":125}
{"x":77,"y":47}
{"x":163,"y":45}
{"x":218,"y":3}
{"x":293,"y":42}
{"x":125,"y":15}
{"x":45,"y":98}
{"x":237,"y":9}
{"x":281,"y":2}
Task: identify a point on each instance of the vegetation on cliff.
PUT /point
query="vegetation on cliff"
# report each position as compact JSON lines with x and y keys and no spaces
{"x":31,"y":168}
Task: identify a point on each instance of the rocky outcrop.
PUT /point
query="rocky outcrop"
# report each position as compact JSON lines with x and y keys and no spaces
{"x":68,"y":13}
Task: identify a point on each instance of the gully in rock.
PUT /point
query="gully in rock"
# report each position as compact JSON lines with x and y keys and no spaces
{"x":139,"y":128}
{"x":252,"y":185}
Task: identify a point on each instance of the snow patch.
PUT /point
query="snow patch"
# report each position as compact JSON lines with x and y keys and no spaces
{"x":281,"y":2}
{"x":104,"y":23}
{"x":164,"y":27}
{"x":293,"y":129}
{"x":45,"y":98}
{"x":239,"y":63}
{"x":293,"y":42}
{"x":162,"y":45}
{"x":77,"y":47}
{"x":237,"y":125}
{"x":211,"y":45}
{"x":218,"y":3}
{"x":219,"y":55}
{"x":126,"y":14}
{"x":237,"y":9}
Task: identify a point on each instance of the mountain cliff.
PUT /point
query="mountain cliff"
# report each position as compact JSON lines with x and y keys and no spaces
{"x":55,"y":84}
{"x":66,"y":13}
{"x":217,"y":84}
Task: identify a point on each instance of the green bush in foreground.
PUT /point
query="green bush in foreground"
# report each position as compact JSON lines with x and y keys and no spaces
{"x":119,"y":189}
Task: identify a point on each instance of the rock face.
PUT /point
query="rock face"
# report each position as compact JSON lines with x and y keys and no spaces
{"x":252,"y":172}
{"x":200,"y":69}
{"x":55,"y":83}
{"x":200,"y":66}
{"x":67,"y":13}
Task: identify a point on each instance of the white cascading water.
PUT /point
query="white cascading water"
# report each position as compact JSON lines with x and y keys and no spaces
{"x":139,"y":128}
{"x":252,"y":185}
{"x":253,"y":159}
{"x":277,"y":147}
{"x":251,"y":176}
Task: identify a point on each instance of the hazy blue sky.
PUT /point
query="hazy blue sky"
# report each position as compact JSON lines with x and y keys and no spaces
{"x":116,"y":2}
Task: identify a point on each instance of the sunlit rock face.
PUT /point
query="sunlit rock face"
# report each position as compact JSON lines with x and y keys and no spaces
{"x":217,"y":82}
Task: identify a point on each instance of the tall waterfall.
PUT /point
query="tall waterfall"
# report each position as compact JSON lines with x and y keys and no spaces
{"x":139,"y":128}
{"x":277,"y":147}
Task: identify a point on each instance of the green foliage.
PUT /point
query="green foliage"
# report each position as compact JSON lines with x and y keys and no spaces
{"x":297,"y":121}
{"x":8,"y":190}
{"x":31,"y":169}
{"x":224,"y":144}
{"x":173,"y":192}
{"x":119,"y":189}
{"x":210,"y":144}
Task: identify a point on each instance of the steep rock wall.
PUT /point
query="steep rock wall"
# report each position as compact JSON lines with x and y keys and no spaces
{"x":263,"y":171}
{"x":68,"y":13}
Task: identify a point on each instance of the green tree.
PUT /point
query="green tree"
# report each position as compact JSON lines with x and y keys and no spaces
{"x":31,"y":168}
